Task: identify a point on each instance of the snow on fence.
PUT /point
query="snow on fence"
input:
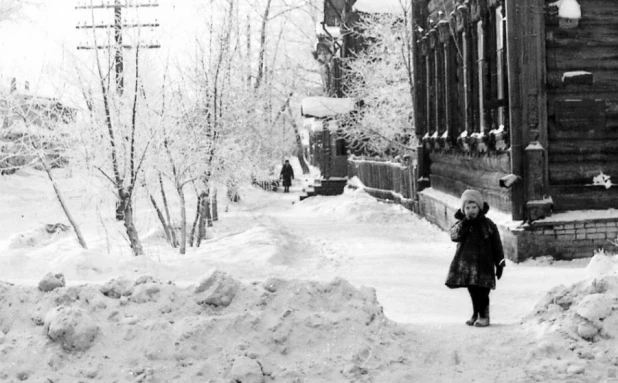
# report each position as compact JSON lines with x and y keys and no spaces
{"x":387,"y":180}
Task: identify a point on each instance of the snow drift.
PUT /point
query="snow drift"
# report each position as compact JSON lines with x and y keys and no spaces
{"x":219,"y":330}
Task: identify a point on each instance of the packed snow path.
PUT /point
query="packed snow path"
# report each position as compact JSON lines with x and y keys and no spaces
{"x":404,"y":257}
{"x":353,"y":236}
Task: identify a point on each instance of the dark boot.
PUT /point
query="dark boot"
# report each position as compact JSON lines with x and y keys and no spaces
{"x":483,"y":320}
{"x":475,"y":310}
{"x":472,"y":320}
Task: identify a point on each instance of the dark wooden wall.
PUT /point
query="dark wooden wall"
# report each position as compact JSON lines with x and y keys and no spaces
{"x":583,"y":110}
{"x":453,"y":170}
{"x":453,"y":173}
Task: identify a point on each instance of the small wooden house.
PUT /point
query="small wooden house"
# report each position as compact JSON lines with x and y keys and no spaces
{"x":323,"y":118}
{"x":519,"y":99}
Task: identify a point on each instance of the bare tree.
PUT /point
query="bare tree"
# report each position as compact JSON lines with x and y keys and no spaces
{"x":120,"y":138}
{"x":35,"y":138}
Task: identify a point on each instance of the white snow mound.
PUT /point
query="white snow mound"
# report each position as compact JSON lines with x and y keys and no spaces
{"x":221,"y":331}
{"x":602,"y":264}
{"x":356,"y":205}
{"x":583,"y":311}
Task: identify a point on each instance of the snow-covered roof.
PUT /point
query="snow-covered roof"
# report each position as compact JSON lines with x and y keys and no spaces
{"x":326,"y":106}
{"x":568,"y":9}
{"x":381,"y":6}
{"x":325,"y":30}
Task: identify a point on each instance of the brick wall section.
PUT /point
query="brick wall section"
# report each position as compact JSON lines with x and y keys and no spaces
{"x":561,"y":240}
{"x":576,"y":239}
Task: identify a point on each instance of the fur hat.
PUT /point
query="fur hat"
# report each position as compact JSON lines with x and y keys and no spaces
{"x":472,"y":195}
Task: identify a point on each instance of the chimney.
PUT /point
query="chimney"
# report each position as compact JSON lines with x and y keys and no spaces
{"x":27,"y":86}
{"x":13,"y":85}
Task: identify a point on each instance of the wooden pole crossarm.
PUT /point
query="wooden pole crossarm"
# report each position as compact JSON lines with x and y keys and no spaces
{"x":113,"y":26}
{"x":105,"y":6}
{"x":140,"y":46}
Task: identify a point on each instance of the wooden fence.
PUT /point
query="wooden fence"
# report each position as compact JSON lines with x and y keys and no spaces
{"x":387,"y":180}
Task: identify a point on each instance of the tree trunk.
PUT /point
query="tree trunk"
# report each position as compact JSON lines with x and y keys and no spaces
{"x":168,"y":236}
{"x":208,"y":215}
{"x":261,"y":58}
{"x":299,"y":144}
{"x":167,"y":214}
{"x":202,"y":225}
{"x":65,"y":208}
{"x":198,"y":210}
{"x":183,"y":221}
{"x":215,"y":212}
{"x":136,"y":244}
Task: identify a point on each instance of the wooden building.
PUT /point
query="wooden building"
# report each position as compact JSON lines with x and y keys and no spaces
{"x":519,"y":99}
{"x":323,"y":118}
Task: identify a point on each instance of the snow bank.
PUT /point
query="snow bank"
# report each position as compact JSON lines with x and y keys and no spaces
{"x":276,"y":330}
{"x":41,"y":236}
{"x":602,"y":264}
{"x":355,"y":205}
{"x":580,"y":321}
{"x":584,"y":310}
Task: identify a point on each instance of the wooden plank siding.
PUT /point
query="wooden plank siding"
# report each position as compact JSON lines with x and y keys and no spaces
{"x":583,"y":116}
{"x":387,"y":180}
{"x":454,"y":173}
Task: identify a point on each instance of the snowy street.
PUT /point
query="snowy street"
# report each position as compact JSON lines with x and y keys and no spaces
{"x":188,"y":191}
{"x":404,"y":257}
{"x":274,"y":235}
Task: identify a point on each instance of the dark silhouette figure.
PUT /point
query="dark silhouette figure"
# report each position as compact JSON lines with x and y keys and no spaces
{"x":287,"y":175}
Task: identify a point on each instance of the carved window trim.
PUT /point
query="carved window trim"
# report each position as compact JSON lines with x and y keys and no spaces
{"x":422,"y":78}
{"x":438,"y":82}
{"x":482,"y":76}
{"x":430,"y":91}
{"x":501,"y":69}
{"x":449,"y":96}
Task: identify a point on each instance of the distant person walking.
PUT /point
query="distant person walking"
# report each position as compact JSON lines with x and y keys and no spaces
{"x":479,"y":257}
{"x":287,"y":175}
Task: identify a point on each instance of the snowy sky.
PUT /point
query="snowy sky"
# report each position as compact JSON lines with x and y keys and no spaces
{"x":42,"y":46}
{"x":38,"y":47}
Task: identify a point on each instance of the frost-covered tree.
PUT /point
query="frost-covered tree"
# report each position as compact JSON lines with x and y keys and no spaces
{"x":121,"y":128}
{"x":11,"y":10}
{"x":36,"y":133}
{"x":381,"y":76}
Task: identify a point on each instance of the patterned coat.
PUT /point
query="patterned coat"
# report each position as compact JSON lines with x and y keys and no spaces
{"x":479,"y":251}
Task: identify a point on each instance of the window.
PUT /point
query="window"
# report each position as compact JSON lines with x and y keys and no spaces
{"x":464,"y":75}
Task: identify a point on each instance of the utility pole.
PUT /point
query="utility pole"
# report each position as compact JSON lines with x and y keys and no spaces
{"x":118,"y":26}
{"x":118,"y":45}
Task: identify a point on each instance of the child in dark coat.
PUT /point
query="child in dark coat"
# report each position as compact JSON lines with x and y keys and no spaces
{"x":479,"y":257}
